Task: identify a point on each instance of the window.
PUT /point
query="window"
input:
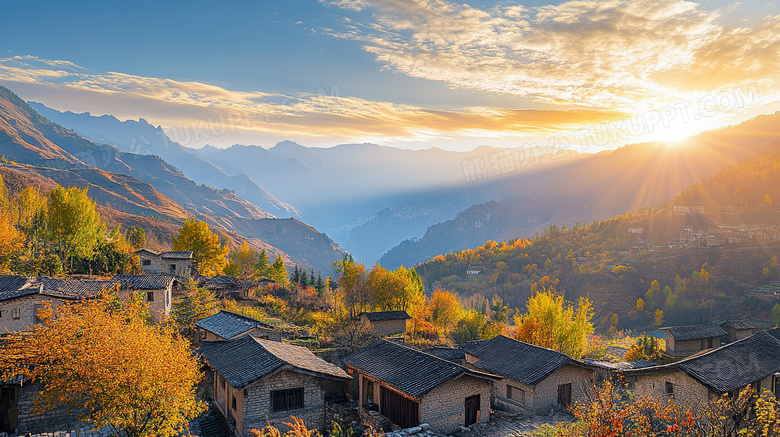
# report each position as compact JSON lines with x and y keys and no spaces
{"x":172,"y":267}
{"x":290,"y":399}
{"x":669,"y":388}
{"x":202,"y":334}
{"x":146,"y":262}
{"x":16,"y":313}
{"x":223,"y":383}
{"x":1,"y":314}
{"x":150,"y":296}
{"x":233,"y":403}
{"x":706,"y":343}
{"x":516,"y":394}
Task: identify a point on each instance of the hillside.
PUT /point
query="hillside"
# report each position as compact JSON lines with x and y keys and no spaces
{"x":131,"y":187}
{"x":715,"y":259}
{"x":140,"y":137}
{"x":607,"y":184}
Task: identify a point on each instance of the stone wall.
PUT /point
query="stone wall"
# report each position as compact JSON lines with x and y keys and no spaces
{"x":266,"y":333}
{"x":502,"y":402}
{"x":32,"y":422}
{"x":687,"y":391}
{"x":258,"y":407}
{"x":677,"y":348}
{"x":27,"y":306}
{"x":386,"y":328}
{"x":160,"y":305}
{"x":444,"y":407}
{"x":545,"y":396}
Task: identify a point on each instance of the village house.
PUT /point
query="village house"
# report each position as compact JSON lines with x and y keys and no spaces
{"x":738,"y":329}
{"x":696,"y":380}
{"x":21,"y":297}
{"x":534,"y":380}
{"x":683,"y":341}
{"x":386,"y":323}
{"x":170,"y":262}
{"x":610,"y":370}
{"x":411,"y":387}
{"x":227,"y":325}
{"x":259,"y":381}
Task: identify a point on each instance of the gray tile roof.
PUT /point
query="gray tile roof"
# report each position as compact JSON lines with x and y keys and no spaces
{"x":12,"y":287}
{"x":227,"y":324}
{"x":740,"y":324}
{"x":730,"y":367}
{"x":518,"y":360}
{"x":245,"y":359}
{"x":621,"y":365}
{"x":378,"y":316}
{"x":178,"y":254}
{"x":737,"y":364}
{"x":144,"y":282}
{"x":408,"y":370}
{"x":694,"y":332}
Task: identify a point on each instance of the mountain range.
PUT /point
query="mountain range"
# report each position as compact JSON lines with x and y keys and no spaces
{"x":404,"y":207}
{"x":145,"y":189}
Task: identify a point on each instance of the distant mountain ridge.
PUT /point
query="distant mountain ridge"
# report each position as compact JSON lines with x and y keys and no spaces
{"x":131,"y":186}
{"x":592,"y":188}
{"x":140,"y":137}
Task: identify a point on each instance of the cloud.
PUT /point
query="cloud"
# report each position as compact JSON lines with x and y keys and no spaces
{"x":627,"y":55}
{"x":321,"y":116}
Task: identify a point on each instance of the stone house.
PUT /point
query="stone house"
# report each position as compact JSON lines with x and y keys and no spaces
{"x":610,"y":370}
{"x":684,"y":341}
{"x":696,"y":380}
{"x":17,"y":416}
{"x":21,"y":297}
{"x":411,"y":387}
{"x":534,"y":380}
{"x":171,"y":262}
{"x":227,"y":325}
{"x":387,"y":323}
{"x":257,"y":380}
{"x":738,"y":329}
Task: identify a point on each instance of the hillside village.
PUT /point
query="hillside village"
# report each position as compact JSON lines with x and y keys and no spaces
{"x":256,"y":375}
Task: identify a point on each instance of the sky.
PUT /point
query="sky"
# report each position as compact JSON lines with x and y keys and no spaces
{"x":587,"y":75}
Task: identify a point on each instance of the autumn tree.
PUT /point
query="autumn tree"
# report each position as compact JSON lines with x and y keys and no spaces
{"x":206,"y":248}
{"x":197,"y":303}
{"x":74,"y":227}
{"x":445,"y":309}
{"x":553,"y":323}
{"x":261,"y":267}
{"x":242,"y":263}
{"x":11,"y":239}
{"x":107,"y":363}
{"x":278,"y":271}
{"x":658,"y":318}
{"x":136,"y":237}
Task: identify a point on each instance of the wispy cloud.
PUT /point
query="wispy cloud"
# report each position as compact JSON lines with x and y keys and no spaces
{"x":322,"y":116}
{"x":628,"y":55}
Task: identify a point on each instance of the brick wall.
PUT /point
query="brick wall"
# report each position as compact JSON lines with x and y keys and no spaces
{"x":257,"y":405}
{"x":444,"y":407}
{"x":687,"y":391}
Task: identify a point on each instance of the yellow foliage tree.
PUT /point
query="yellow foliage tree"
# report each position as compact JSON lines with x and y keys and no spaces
{"x":445,"y":309}
{"x":101,"y":358}
{"x":206,"y":248}
{"x":553,"y":323}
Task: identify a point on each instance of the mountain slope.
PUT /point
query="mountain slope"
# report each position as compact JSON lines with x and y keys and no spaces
{"x":140,"y":137}
{"x":715,"y":247}
{"x":129,"y":185}
{"x":592,"y":188}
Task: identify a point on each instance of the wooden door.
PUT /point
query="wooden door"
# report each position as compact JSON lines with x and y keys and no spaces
{"x":402,"y":411}
{"x":8,"y":409}
{"x":564,"y":395}
{"x":472,"y":410}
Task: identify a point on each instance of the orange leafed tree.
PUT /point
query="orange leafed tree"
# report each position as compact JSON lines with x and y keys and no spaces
{"x":103,"y":361}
